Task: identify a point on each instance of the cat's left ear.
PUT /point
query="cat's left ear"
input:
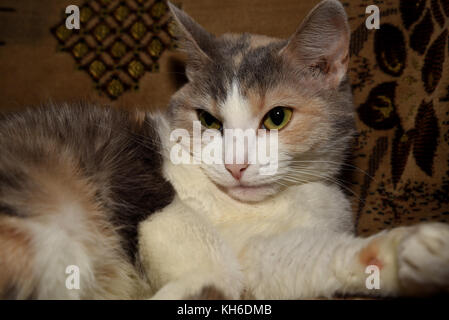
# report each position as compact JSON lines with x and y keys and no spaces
{"x":321,"y":43}
{"x":194,"y":40}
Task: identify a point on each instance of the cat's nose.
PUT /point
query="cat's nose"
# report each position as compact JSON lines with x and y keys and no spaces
{"x":236,"y":169}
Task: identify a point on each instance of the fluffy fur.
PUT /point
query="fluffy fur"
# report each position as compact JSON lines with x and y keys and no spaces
{"x":75,"y":180}
{"x":95,"y":187}
{"x":289,"y":235}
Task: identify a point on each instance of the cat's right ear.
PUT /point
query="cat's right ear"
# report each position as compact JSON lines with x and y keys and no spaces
{"x":193,"y":39}
{"x":321,"y":43}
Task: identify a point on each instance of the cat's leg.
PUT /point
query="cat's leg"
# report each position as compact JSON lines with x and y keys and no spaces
{"x":33,"y":261}
{"x":16,"y":258}
{"x":185,"y":258}
{"x":317,"y":263}
{"x":411,"y":261}
{"x":63,"y":251}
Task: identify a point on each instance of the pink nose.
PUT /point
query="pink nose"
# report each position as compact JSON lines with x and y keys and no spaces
{"x":236,"y":169}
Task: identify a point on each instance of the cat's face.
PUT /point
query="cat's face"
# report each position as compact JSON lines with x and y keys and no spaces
{"x":297,"y":87}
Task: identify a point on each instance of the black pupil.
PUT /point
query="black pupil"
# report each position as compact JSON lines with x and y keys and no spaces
{"x":208,"y":119}
{"x":277,"y":115}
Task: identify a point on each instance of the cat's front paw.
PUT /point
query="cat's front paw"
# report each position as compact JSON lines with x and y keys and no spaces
{"x":423,"y":260}
{"x":201,"y":287}
{"x":208,"y":292}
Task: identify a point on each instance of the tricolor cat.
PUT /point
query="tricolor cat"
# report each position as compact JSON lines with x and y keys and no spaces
{"x":95,"y":187}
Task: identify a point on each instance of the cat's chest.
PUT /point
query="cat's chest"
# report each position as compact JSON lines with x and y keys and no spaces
{"x":238,"y":222}
{"x":309,"y":205}
{"x":237,"y":232}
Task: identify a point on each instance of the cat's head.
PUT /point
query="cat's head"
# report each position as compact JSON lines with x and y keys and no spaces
{"x":297,"y":86}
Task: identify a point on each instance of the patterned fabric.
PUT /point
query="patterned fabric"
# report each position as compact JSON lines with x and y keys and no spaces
{"x":119,"y":41}
{"x":400,"y":79}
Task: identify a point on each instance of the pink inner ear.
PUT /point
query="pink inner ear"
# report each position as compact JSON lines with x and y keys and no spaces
{"x":339,"y":65}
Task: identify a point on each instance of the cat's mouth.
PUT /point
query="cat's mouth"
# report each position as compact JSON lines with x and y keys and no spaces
{"x":250,"y":193}
{"x":248,"y":187}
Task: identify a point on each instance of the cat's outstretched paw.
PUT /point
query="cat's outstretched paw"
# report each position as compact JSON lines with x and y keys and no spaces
{"x":423,"y":260}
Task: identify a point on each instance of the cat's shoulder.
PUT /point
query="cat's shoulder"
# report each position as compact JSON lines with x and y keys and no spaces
{"x":324,"y":203}
{"x":79,"y":118}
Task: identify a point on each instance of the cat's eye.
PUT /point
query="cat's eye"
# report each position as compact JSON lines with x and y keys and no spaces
{"x":277,"y":118}
{"x":208,"y":120}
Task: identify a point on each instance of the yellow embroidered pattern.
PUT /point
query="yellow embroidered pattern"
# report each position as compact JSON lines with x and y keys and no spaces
{"x":118,"y":41}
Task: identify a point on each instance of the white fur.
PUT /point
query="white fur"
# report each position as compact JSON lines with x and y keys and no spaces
{"x":62,"y":250}
{"x":236,"y":110}
{"x":297,"y":244}
{"x":237,"y":114}
{"x":64,"y":237}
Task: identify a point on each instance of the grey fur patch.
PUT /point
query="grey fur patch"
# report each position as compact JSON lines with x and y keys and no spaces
{"x":107,"y":147}
{"x":261,"y":67}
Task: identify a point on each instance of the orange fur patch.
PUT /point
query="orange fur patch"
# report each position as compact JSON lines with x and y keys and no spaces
{"x":257,"y":41}
{"x":370,"y":255}
{"x":307,"y":112}
{"x":208,"y":293}
{"x":15,"y":257}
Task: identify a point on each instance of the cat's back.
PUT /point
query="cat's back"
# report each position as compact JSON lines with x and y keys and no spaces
{"x":79,"y":127}
{"x":75,"y":180}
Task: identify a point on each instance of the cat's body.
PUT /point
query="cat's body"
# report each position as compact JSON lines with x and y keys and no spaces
{"x":218,"y":230}
{"x":75,"y":180}
{"x":300,"y":244}
{"x":230,"y":239}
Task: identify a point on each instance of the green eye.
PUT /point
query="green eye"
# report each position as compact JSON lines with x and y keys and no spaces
{"x":277,"y":118}
{"x":208,"y":120}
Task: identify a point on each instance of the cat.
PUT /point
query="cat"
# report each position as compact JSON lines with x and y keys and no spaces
{"x":97,"y":188}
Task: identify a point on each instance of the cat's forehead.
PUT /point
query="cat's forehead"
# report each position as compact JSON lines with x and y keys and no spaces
{"x":237,"y":110}
{"x":254,"y":59}
{"x":237,"y":46}
{"x":243,"y":64}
